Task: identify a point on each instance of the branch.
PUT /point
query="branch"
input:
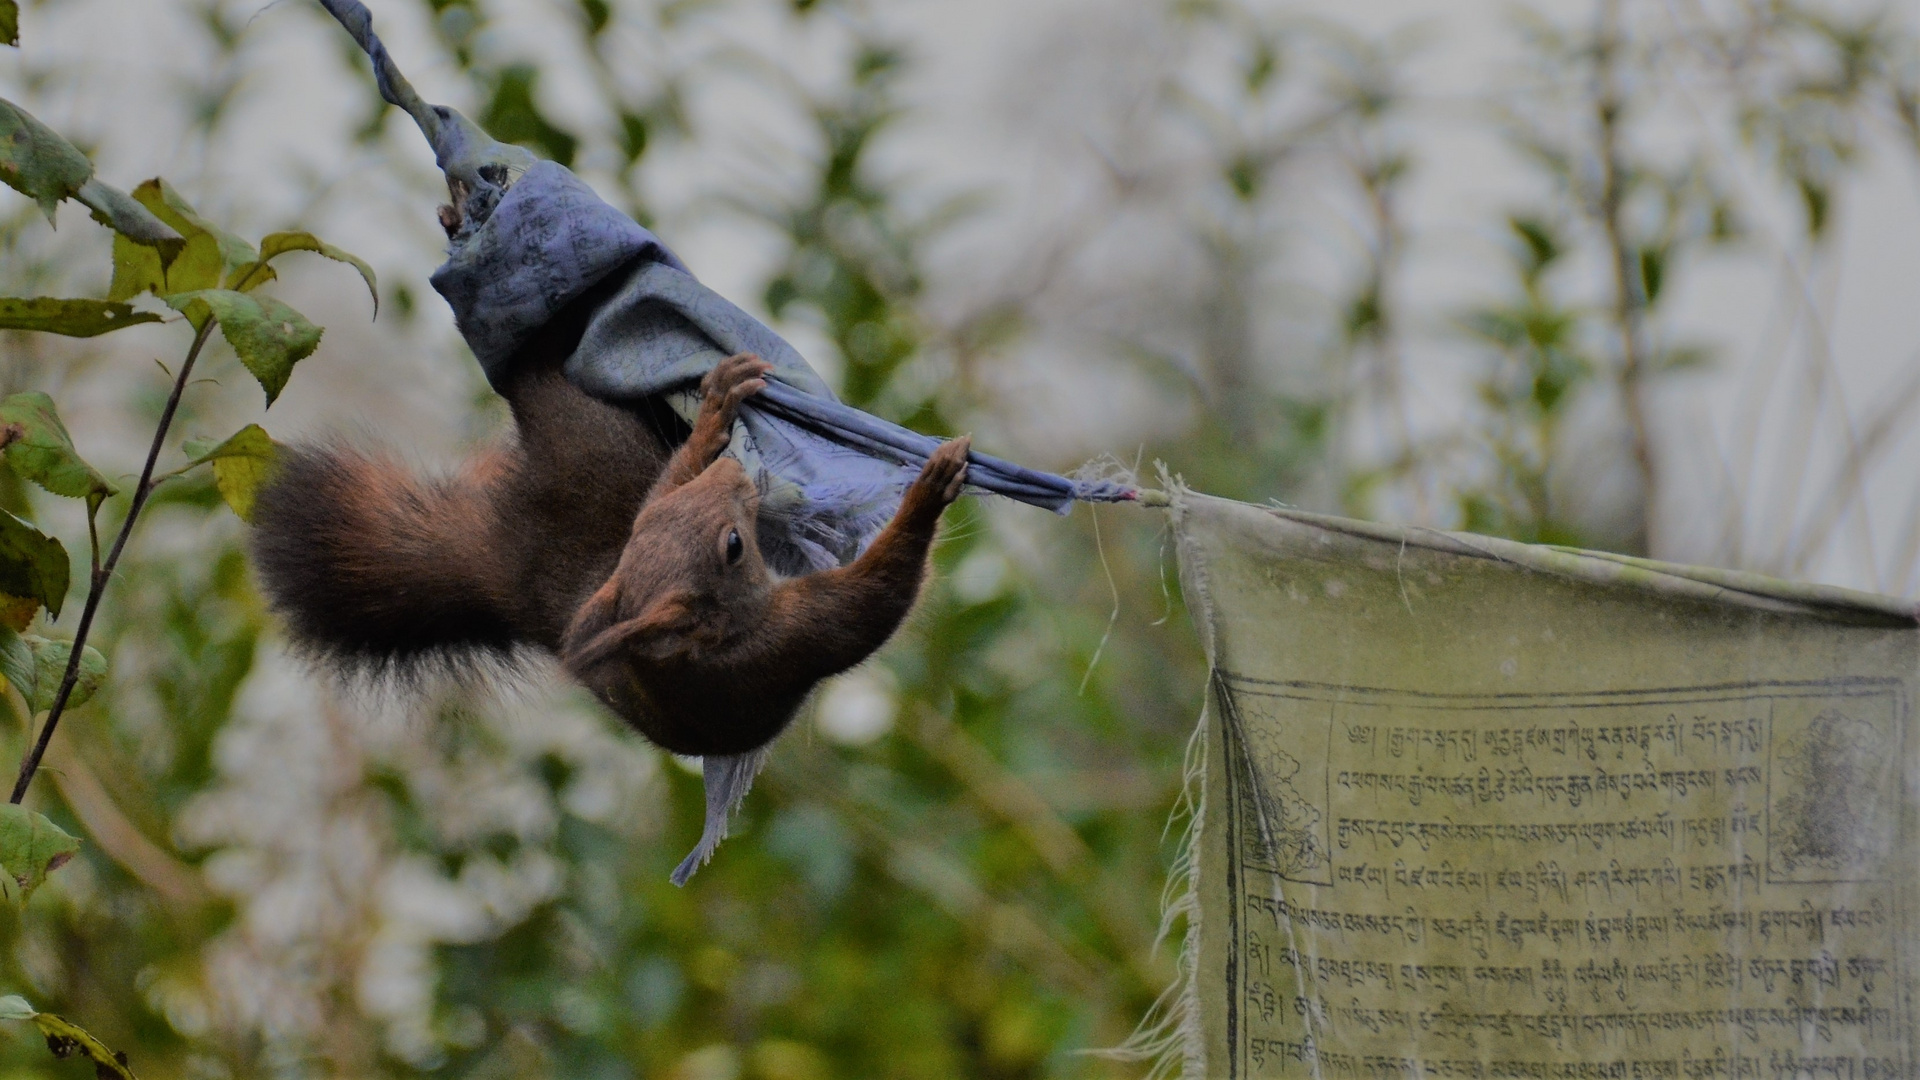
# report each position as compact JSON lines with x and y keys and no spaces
{"x":97,"y":585}
{"x":153,"y":865}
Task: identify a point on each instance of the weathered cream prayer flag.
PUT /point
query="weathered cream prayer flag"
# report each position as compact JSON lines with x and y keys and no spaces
{"x":1482,"y":809}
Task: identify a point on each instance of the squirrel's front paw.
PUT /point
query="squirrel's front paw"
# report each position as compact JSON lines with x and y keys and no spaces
{"x":732,"y":381}
{"x":942,"y":477}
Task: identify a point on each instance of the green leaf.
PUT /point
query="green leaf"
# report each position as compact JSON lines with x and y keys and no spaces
{"x":269,"y":336}
{"x":9,"y":22}
{"x":17,"y":663}
{"x":39,"y":449}
{"x":1653,"y":273}
{"x":274,"y":245}
{"x":1818,"y":201}
{"x":33,"y":571}
{"x":633,"y":135}
{"x":1541,"y":244}
{"x":167,"y":204}
{"x":17,"y":612}
{"x":35,"y":665}
{"x":50,"y":669}
{"x":31,"y":847}
{"x":513,"y":116}
{"x":1684,"y":358}
{"x":74,"y":318}
{"x":66,"y":1038}
{"x":37,"y":162}
{"x":120,"y":212}
{"x":240,"y":465}
{"x":139,"y":268}
{"x":207,"y":257}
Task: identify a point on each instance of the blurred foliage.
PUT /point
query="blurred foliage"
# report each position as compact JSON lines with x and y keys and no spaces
{"x":953,"y":865}
{"x":861,"y":924}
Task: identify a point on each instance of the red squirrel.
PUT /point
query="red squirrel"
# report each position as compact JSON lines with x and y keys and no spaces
{"x":589,"y":537}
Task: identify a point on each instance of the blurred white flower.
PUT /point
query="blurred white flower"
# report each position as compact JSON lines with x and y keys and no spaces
{"x":858,"y":707}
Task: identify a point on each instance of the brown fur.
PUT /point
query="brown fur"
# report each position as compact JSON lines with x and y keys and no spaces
{"x":694,"y":642}
{"x":373,"y":565}
{"x":587,"y":538}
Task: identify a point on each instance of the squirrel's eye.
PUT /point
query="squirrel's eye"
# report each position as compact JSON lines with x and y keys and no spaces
{"x":736,"y":547}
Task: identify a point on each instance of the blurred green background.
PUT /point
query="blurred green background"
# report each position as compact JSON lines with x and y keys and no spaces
{"x":1619,"y":273}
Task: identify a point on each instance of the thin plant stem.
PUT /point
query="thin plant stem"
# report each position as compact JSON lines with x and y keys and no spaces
{"x":104,"y":573}
{"x":1846,"y":487}
{"x":1629,"y":300}
{"x":93,"y":536}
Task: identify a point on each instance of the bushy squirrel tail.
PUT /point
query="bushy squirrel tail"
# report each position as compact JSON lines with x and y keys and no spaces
{"x":370,"y":564}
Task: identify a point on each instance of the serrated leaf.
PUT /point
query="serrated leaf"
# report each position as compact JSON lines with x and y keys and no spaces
{"x":139,"y":268}
{"x":169,"y":206}
{"x":31,"y":847}
{"x":240,"y":465}
{"x":269,"y":336}
{"x":274,"y":245}
{"x":66,"y":1038}
{"x":39,"y":449}
{"x":9,"y":22}
{"x":37,"y":162}
{"x":120,"y":212}
{"x":73,"y":318}
{"x":208,"y":255}
{"x":50,"y":669}
{"x":33,"y":567}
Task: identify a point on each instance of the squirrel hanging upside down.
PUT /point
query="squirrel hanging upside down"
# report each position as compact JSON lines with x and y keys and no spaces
{"x":644,"y":568}
{"x":590,"y":537}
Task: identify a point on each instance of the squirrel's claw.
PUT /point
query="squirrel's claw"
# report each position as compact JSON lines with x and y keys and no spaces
{"x":945,"y":472}
{"x":731,"y":382}
{"x":728,"y":375}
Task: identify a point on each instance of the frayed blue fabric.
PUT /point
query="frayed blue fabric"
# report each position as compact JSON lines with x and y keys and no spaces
{"x":830,"y":475}
{"x":549,"y":239}
{"x":533,"y":237}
